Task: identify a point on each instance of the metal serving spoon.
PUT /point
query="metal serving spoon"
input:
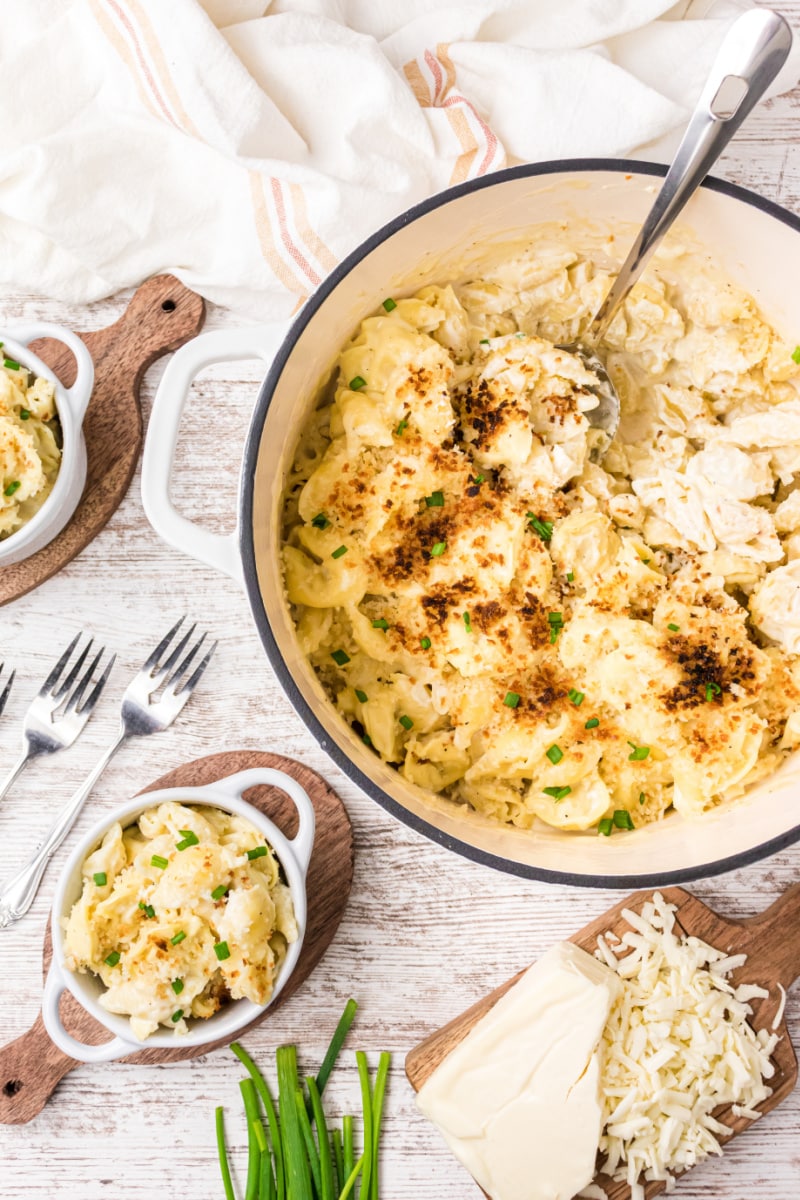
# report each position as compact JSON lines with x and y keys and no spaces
{"x":751,"y":55}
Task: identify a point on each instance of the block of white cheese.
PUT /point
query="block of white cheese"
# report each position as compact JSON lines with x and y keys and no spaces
{"x":518,"y":1100}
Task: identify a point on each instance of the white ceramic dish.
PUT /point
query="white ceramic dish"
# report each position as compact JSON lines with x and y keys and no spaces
{"x":71,"y":405}
{"x":756,"y":242}
{"x":294,"y":856}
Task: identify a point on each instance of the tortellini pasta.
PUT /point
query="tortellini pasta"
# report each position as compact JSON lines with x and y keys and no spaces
{"x":180,"y":912}
{"x":30,"y":454}
{"x":529,"y":632}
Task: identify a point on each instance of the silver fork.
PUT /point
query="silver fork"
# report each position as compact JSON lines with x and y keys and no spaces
{"x":59,"y":712}
{"x":6,"y":692}
{"x":140,"y":715}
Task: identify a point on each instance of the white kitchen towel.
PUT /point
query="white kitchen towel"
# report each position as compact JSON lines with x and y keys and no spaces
{"x":248,"y":146}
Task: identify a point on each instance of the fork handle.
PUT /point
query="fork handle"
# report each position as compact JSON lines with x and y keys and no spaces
{"x":17,"y":895}
{"x":15,"y":771}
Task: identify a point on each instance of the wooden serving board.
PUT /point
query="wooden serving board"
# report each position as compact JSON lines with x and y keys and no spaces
{"x":31,"y":1066}
{"x":162,"y":315}
{"x":771,"y":942}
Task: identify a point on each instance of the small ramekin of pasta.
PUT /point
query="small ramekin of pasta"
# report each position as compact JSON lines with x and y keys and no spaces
{"x":179,"y":917}
{"x":42,"y":449}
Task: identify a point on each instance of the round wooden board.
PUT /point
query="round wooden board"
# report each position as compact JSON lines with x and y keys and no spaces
{"x":162,"y":315}
{"x":31,"y":1066}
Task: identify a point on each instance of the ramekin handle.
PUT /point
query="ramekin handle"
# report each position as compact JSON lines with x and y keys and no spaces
{"x":54,"y":987}
{"x":217,"y":550}
{"x":77,"y":395}
{"x":303,"y":842}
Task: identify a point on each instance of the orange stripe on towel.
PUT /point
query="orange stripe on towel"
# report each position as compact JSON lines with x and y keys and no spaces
{"x":266,"y":240}
{"x":309,"y":235}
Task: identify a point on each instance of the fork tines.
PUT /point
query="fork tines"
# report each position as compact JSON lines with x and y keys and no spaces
{"x":70,"y":690}
{"x":175,"y":679}
{"x":6,"y":688}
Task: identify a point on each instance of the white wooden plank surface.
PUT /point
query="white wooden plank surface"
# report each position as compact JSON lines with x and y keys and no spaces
{"x":425,"y":934}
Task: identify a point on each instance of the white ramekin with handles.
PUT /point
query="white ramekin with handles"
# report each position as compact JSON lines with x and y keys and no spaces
{"x":71,"y":404}
{"x":293,"y":854}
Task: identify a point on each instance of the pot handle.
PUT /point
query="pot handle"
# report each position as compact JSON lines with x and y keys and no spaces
{"x":303,"y":841}
{"x":77,"y":395}
{"x":54,"y":987}
{"x":223,"y":345}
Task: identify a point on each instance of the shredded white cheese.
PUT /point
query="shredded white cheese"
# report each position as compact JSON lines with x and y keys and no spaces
{"x":677,"y":1046}
{"x":776,"y":1020}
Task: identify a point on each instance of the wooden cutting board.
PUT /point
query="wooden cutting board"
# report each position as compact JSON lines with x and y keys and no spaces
{"x":31,"y":1066}
{"x":162,"y":315}
{"x":771,"y":942}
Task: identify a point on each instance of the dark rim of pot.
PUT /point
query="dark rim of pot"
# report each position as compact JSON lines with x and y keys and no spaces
{"x":340,"y":757}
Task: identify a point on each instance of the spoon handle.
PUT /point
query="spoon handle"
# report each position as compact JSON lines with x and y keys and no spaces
{"x":751,"y":55}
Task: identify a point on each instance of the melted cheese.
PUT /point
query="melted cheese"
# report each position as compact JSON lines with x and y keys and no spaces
{"x":518,"y":1100}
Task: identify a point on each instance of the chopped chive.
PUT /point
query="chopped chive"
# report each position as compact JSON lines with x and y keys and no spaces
{"x":389,"y":304}
{"x":796,"y":354}
{"x":11,"y":364}
{"x":148,"y":911}
{"x":575,"y":697}
{"x":219,"y":892}
{"x":258,"y":852}
{"x":100,"y":878}
{"x":361,"y":696}
{"x":639,"y":752}
{"x":674,"y":628}
{"x":712,"y":690}
{"x":113,"y":958}
{"x":479,"y":479}
{"x":320,"y":521}
{"x":556,"y":623}
{"x":158,"y":860}
{"x":12,"y":487}
{"x":435,"y":500}
{"x":555,"y":754}
{"x":438,"y":549}
{"x":511,"y":699}
{"x":543,"y":528}
{"x":357,"y":382}
{"x":401,"y":428}
{"x":177,"y":986}
{"x":642,"y":797}
{"x":485,"y":342}
{"x":425,"y":643}
{"x":339,"y":552}
{"x":340,"y":658}
{"x":605,"y":826}
{"x":558,"y":793}
{"x":24,"y":414}
{"x":406,"y":722}
{"x":381,"y":623}
{"x":189,"y":838}
{"x":467,"y":622}
{"x":176,"y":941}
{"x":592,"y":723}
{"x":222,"y":951}
{"x":622,"y":819}
{"x":570,"y":577}
{"x":176,"y":1016}
{"x":367,"y":740}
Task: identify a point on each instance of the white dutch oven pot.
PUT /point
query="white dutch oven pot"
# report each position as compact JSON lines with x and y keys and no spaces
{"x":294,"y":856}
{"x":756,"y":242}
{"x":71,"y":404}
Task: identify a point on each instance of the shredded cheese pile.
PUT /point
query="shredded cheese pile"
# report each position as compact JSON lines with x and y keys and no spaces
{"x":677,"y":1045}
